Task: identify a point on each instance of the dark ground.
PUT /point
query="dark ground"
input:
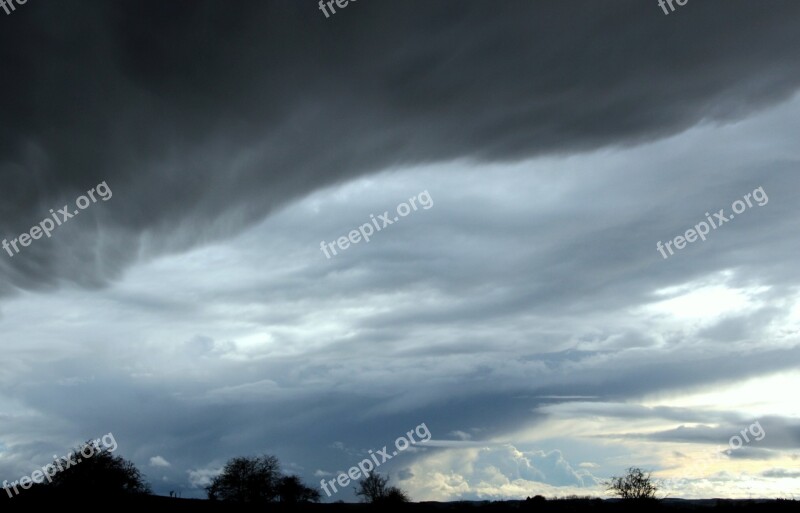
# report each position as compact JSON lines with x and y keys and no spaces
{"x":173,"y":505}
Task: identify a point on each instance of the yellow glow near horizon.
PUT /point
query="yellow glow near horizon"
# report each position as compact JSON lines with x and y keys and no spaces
{"x":764,"y":395}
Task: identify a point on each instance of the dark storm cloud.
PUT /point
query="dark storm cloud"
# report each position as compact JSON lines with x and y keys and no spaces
{"x":204,"y":117}
{"x":753,"y":453}
{"x":781,"y":473}
{"x":770,"y":434}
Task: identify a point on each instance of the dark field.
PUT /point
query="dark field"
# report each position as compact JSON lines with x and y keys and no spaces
{"x":556,"y":506}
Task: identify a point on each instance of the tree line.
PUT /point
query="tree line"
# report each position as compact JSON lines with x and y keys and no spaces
{"x":245,"y":480}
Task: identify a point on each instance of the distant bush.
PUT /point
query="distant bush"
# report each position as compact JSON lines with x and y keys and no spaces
{"x":636,"y":484}
{"x":258,"y":480}
{"x":102,"y":474}
{"x":375,"y":489}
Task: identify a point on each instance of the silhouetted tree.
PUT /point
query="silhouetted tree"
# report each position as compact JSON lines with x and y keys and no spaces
{"x":247,"y":480}
{"x":292,"y":490}
{"x":375,"y":489}
{"x":636,"y":484}
{"x":537,"y":500}
{"x":102,"y":474}
{"x":395,"y":495}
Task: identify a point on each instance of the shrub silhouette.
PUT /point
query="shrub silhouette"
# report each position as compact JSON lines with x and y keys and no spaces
{"x":292,"y":490}
{"x":258,"y":480}
{"x":102,"y":474}
{"x":375,"y":489}
{"x":636,"y":484}
{"x":247,"y":480}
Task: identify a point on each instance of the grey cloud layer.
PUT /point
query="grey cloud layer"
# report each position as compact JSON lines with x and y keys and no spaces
{"x":204,"y":118}
{"x":529,"y":281}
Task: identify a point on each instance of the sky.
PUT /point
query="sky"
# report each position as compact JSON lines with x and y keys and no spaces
{"x":529,"y":164}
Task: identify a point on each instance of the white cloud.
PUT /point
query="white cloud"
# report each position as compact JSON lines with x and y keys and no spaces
{"x":158,"y":461}
{"x":461,"y":435}
{"x":494,"y":473}
{"x":201,"y":478}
